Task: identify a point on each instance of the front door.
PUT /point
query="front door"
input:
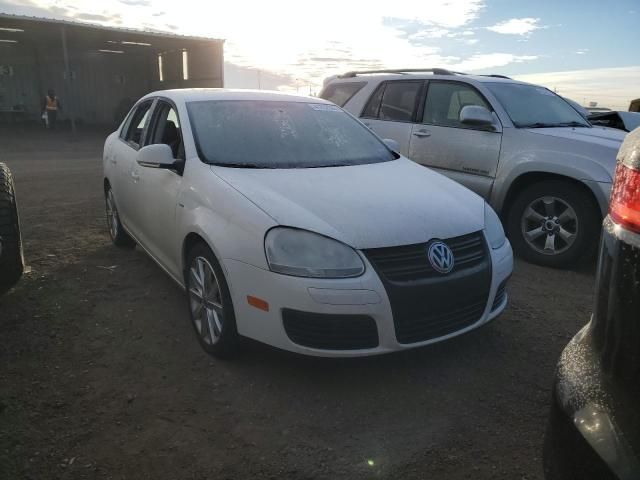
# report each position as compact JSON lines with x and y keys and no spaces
{"x":123,"y":157}
{"x":466,"y":154}
{"x":159,"y":189}
{"x":391,"y":110}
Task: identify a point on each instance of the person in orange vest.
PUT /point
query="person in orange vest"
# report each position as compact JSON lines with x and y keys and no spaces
{"x":50,"y":106}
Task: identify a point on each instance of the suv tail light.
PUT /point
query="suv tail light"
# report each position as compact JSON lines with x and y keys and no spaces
{"x":624,"y":208}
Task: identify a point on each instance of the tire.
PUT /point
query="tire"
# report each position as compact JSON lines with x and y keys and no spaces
{"x":11,"y":255}
{"x":561,"y":221}
{"x":119,"y":236}
{"x":212,"y":314}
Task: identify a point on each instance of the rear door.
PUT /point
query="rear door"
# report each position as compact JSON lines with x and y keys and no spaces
{"x":391,"y":110}
{"x":439,"y":140}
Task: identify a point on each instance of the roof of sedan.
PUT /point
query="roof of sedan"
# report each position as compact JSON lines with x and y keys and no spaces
{"x":202,"y":94}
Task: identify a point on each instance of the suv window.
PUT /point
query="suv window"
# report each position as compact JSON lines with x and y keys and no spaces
{"x":394,"y":101}
{"x":135,"y":128}
{"x":341,"y":93}
{"x":167,"y":129}
{"x":445,"y":100}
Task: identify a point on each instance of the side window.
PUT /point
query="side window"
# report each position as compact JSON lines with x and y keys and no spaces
{"x":135,"y":127}
{"x":445,"y":100}
{"x":341,"y":93}
{"x":167,"y":130}
{"x":398,"y":101}
{"x":372,"y":108}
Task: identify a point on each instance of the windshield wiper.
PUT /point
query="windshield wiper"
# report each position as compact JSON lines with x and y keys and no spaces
{"x":241,"y":165}
{"x":553,"y":125}
{"x":572,"y":124}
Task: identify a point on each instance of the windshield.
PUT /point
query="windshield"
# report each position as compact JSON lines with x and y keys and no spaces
{"x":530,"y":106}
{"x":280,"y":134}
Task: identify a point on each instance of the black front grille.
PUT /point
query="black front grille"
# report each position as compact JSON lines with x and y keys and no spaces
{"x":427,"y":304}
{"x":500,"y":294}
{"x":421,"y":325}
{"x":330,"y":332}
{"x":409,"y":262}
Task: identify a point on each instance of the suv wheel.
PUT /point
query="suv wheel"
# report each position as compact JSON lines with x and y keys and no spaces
{"x":11,"y":258}
{"x":554,"y":223}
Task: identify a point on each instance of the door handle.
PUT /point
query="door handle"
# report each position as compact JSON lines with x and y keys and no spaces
{"x":113,"y":160}
{"x":135,"y":176}
{"x":422,"y":133}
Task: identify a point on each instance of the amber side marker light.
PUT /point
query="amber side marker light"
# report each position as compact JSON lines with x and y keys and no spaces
{"x":258,"y":303}
{"x":624,"y":208}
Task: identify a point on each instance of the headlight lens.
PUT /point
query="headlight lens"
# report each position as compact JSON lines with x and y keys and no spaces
{"x":306,"y":254}
{"x":493,"y":227}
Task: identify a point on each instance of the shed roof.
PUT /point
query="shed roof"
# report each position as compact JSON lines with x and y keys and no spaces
{"x":31,"y":30}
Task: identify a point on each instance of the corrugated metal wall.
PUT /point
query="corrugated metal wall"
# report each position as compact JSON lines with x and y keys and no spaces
{"x":20,"y":88}
{"x":102,"y":86}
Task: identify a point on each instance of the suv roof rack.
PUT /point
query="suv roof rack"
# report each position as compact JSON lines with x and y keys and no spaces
{"x":402,"y":71}
{"x":435,"y":71}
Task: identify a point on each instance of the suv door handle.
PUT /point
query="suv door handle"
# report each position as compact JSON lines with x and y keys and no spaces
{"x":422,"y":133}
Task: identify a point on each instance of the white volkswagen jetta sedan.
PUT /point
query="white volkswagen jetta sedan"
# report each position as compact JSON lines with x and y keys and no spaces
{"x":288,"y":221}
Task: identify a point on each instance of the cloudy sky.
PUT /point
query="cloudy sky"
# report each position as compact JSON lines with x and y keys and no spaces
{"x":583,"y":49}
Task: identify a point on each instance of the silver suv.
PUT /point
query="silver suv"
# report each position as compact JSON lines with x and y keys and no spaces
{"x":526,"y":150}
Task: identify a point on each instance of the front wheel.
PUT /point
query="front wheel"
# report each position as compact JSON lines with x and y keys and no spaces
{"x":554,"y":223}
{"x":210,"y":305}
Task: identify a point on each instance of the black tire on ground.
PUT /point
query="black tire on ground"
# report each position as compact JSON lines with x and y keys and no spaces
{"x":11,"y":257}
{"x":118,"y":235}
{"x":588,"y":223}
{"x":227,"y":344}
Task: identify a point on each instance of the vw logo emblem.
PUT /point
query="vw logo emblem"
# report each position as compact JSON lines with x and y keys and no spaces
{"x":440,"y":257}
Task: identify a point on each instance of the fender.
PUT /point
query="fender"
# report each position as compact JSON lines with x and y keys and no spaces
{"x":578,"y":164}
{"x":220,"y":218}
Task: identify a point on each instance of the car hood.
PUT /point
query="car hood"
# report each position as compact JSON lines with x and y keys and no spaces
{"x":601,"y":136}
{"x":365,"y":206}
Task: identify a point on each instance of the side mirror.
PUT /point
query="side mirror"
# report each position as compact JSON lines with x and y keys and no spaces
{"x":476,"y":116}
{"x":392,"y":144}
{"x":156,"y":156}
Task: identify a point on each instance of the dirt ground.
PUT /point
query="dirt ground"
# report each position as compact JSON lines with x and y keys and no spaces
{"x":101,"y":375}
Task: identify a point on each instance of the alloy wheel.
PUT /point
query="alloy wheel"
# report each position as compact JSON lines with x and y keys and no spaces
{"x":205,"y":301}
{"x":549,"y":225}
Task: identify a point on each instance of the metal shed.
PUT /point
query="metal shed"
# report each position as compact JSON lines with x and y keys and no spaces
{"x":97,"y":72}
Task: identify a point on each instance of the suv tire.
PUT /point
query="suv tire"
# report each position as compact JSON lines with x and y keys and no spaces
{"x":554,"y":223}
{"x":11,"y":257}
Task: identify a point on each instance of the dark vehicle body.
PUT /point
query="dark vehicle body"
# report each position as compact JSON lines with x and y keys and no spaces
{"x":626,"y":121}
{"x":594,"y":427}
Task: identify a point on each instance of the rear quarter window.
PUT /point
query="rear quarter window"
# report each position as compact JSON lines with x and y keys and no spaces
{"x":341,"y":93}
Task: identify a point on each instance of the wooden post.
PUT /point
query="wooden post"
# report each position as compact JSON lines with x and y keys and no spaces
{"x":67,"y":69}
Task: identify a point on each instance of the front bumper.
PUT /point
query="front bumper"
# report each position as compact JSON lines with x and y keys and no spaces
{"x":362,"y":296}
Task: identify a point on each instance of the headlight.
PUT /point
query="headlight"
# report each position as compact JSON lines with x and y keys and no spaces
{"x":493,"y":227}
{"x":306,"y":254}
